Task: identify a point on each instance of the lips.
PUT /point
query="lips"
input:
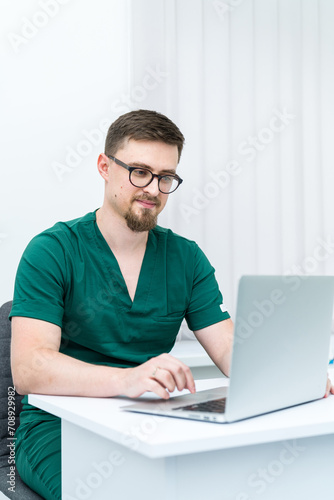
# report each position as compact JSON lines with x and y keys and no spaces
{"x":147,"y":203}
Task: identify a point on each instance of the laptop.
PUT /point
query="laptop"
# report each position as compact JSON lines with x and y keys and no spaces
{"x":280,"y":352}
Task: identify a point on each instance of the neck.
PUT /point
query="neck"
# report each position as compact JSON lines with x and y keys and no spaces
{"x":117,"y":234}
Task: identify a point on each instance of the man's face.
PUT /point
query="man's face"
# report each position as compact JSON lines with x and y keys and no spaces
{"x":141,"y":206}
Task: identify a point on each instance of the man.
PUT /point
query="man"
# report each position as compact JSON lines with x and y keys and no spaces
{"x":99,"y":300}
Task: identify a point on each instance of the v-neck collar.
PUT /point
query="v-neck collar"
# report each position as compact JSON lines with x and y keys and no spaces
{"x":115,"y":276}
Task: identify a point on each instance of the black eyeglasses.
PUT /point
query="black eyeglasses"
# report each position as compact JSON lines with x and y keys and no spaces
{"x":142,"y":177}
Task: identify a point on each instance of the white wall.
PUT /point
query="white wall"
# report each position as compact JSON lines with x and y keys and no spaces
{"x":62,"y":81}
{"x":257,"y":191}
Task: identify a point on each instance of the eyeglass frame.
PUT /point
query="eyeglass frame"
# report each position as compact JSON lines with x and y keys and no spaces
{"x":159,"y":177}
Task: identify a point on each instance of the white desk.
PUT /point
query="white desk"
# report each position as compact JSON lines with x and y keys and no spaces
{"x":112,"y":454}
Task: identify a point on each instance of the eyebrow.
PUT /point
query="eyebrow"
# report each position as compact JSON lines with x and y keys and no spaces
{"x":143,"y":165}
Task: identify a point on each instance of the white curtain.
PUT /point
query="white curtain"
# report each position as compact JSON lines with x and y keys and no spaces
{"x":250,"y":83}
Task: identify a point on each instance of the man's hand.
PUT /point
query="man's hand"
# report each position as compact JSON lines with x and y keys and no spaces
{"x":161,"y":375}
{"x":329,"y":388}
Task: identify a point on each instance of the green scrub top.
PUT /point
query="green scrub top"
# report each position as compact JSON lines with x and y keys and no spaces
{"x":69,"y":276}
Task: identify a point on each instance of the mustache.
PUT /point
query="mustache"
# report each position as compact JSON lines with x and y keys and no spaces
{"x":146,"y":197}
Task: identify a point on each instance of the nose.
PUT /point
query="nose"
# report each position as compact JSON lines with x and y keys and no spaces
{"x":152,"y":188}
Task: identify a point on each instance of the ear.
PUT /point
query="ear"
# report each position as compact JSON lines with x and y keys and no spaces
{"x":103,"y":166}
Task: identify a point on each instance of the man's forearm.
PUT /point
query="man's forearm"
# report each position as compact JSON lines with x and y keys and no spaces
{"x":54,"y":373}
{"x":224,"y":364}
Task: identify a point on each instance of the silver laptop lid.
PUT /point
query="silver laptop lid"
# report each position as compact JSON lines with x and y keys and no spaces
{"x":281,"y":343}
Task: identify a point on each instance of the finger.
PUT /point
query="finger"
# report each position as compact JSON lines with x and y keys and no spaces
{"x":180,"y":372}
{"x":184,"y":379}
{"x":331,"y":386}
{"x":158,"y":389}
{"x":328,"y":388}
{"x":136,"y":382}
{"x":166,"y":379}
{"x":188,"y":381}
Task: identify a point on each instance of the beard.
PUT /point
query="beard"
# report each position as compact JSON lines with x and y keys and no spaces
{"x":145,"y":220}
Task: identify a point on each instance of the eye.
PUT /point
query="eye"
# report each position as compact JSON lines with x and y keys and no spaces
{"x":167,"y":179}
{"x":138,"y":172}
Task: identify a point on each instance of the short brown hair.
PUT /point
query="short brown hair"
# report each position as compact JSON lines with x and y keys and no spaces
{"x":142,"y":125}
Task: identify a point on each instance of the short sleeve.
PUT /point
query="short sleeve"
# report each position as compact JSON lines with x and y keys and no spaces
{"x":40,"y":281}
{"x":206,"y":303}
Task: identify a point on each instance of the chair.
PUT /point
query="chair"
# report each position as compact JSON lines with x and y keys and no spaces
{"x":22,"y":491}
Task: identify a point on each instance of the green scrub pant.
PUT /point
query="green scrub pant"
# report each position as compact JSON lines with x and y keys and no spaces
{"x":38,"y":457}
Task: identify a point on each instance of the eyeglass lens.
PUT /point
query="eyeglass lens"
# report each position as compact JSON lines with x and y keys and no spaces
{"x":142,"y":178}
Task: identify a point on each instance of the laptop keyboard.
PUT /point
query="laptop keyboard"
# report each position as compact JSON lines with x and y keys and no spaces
{"x":214,"y":406}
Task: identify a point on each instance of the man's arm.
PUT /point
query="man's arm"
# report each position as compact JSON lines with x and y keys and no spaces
{"x":217,"y":340}
{"x":38,"y":367}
